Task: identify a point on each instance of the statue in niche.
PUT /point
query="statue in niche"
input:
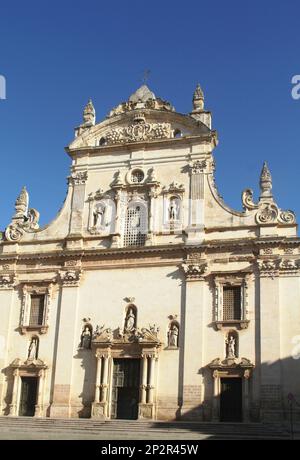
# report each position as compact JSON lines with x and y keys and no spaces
{"x":173,"y":336}
{"x":173,"y":209}
{"x":86,"y":338}
{"x":230,"y":342}
{"x":33,"y":349}
{"x":130,"y":321}
{"x":135,"y":219}
{"x":98,"y":215}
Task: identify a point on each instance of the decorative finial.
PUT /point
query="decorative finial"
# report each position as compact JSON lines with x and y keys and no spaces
{"x":265,"y":182}
{"x":21,"y":204}
{"x":89,"y":114}
{"x":198,"y":99}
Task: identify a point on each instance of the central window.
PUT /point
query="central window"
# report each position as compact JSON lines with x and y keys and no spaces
{"x":231,"y":303}
{"x":37,"y":306}
{"x":135,"y":226}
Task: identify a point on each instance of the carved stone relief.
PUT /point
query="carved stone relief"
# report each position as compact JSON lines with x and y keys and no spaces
{"x":138,"y":131}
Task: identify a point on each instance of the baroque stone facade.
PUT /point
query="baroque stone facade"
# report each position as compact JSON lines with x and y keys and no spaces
{"x":147,"y":296}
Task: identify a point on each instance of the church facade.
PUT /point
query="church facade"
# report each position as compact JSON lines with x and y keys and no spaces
{"x":147,"y":296}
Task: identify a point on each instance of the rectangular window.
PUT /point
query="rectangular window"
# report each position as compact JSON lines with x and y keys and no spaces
{"x":37,"y":303}
{"x":231,"y":303}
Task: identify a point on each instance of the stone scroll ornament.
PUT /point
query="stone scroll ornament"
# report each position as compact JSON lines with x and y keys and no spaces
{"x":267,"y":211}
{"x":24,"y":219}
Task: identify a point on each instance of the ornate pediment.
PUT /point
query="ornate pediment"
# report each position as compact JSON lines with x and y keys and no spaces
{"x":29,"y":364}
{"x":104,"y":335}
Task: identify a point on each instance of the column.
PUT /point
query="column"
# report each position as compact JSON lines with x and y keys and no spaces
{"x":115,"y":242}
{"x":15,"y":394}
{"x":98,"y":378}
{"x":143,"y":388}
{"x":104,"y":384}
{"x":246,"y":415}
{"x":66,"y":347}
{"x":269,"y":341}
{"x":196,"y":218}
{"x":216,"y":398}
{"x":7,"y":332}
{"x":40,"y":395}
{"x":151,"y":385}
{"x":192,"y":341}
{"x":78,"y":180}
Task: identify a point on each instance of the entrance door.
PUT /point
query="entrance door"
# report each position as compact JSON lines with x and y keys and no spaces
{"x":28,"y":396}
{"x":125,"y":390}
{"x":231,"y":400}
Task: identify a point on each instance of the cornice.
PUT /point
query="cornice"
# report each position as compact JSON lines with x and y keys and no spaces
{"x":205,"y":247}
{"x":96,"y":150}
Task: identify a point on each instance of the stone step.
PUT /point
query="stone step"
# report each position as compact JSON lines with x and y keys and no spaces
{"x":93,"y":425}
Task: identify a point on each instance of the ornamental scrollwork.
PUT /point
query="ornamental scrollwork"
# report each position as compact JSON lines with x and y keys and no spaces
{"x":267,"y":213}
{"x":287,"y":217}
{"x":24,"y":219}
{"x":247,"y":199}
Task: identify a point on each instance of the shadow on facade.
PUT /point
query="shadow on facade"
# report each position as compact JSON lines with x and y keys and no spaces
{"x":268,"y":394}
{"x":88,"y":389}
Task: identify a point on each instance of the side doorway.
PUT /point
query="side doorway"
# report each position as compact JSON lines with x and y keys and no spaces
{"x":28,"y":400}
{"x":231,"y":400}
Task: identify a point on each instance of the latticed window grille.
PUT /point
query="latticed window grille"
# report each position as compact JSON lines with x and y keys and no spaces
{"x":37,"y":303}
{"x":134,"y":232}
{"x":231,"y":303}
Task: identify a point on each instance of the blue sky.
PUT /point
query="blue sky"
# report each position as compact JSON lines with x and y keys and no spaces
{"x":56,"y":54}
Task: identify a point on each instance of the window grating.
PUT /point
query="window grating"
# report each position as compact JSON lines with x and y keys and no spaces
{"x":36,"y":310}
{"x":133,"y":234}
{"x":232,"y":303}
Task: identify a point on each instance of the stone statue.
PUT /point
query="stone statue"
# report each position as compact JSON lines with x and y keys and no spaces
{"x":135,"y":220}
{"x":32,"y":349}
{"x":173,"y":336}
{"x":173,"y":209}
{"x":230,"y":342}
{"x":98,"y":214}
{"x":86,"y":338}
{"x":130,"y":321}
